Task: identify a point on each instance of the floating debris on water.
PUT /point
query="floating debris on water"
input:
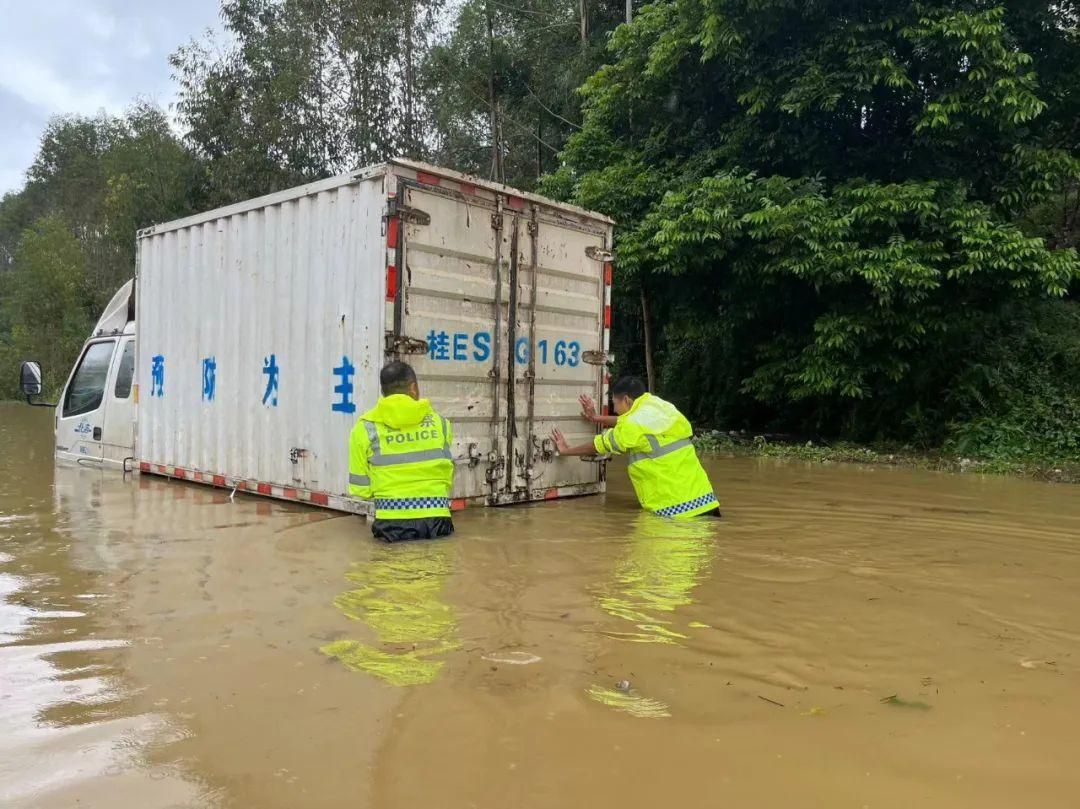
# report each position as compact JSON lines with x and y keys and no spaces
{"x":893,"y":699}
{"x":513,"y":658}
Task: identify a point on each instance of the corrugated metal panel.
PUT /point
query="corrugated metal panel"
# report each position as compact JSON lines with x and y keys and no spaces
{"x":261,"y":335}
{"x":568,"y":326}
{"x":469,"y":258}
{"x":292,"y":288}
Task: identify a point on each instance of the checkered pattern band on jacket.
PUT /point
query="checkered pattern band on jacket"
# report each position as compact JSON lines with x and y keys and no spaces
{"x":689,"y":505}
{"x":410,"y":503}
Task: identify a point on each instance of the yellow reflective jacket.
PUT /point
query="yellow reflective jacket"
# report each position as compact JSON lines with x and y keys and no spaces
{"x":664,"y":467}
{"x":399,"y":456}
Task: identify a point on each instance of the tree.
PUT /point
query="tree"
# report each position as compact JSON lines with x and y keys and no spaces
{"x":67,"y":240}
{"x":44,"y":299}
{"x":308,"y":88}
{"x":528,"y":69}
{"x":826,"y":198}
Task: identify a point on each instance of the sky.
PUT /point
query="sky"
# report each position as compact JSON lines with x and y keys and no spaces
{"x":84,"y":56}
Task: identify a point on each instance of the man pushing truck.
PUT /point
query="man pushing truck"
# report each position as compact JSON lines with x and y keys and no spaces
{"x":656,"y":438}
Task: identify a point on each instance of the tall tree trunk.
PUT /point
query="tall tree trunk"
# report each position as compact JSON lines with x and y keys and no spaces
{"x":496,"y":137}
{"x":539,"y":144}
{"x":629,"y":11}
{"x":646,"y":327}
{"x":584,"y":14}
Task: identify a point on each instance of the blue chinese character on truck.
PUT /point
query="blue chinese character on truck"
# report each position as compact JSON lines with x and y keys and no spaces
{"x":344,"y":388}
{"x":157,"y":376}
{"x":209,"y":378}
{"x":270,"y":369}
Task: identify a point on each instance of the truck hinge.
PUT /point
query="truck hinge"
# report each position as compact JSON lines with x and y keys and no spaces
{"x":402,"y":344}
{"x":409,"y":215}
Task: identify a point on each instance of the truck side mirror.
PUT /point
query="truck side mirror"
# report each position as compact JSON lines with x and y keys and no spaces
{"x":30,"y":379}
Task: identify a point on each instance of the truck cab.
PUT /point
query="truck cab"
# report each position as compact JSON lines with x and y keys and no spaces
{"x":95,"y":416}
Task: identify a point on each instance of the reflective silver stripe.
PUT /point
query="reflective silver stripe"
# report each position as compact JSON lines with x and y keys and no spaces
{"x":445,"y":432}
{"x":659,"y":451}
{"x":609,"y":436}
{"x":359,"y":480}
{"x":674,"y":445}
{"x":412,"y":457}
{"x":373,"y":436}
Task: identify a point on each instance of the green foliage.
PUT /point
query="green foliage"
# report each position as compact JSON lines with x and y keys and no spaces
{"x":303,"y":90}
{"x":45,"y":301}
{"x":67,"y":240}
{"x":1022,"y":399}
{"x":829,"y":201}
{"x":533,"y":63}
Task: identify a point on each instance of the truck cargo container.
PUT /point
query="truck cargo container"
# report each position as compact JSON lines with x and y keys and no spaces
{"x":251,"y":338}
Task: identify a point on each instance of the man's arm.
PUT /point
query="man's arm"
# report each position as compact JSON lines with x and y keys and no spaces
{"x":565,"y":449}
{"x":588,"y":412}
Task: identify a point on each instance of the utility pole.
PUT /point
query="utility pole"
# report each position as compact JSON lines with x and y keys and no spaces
{"x":496,"y":129}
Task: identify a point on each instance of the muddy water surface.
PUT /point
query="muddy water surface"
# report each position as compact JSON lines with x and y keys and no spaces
{"x":845,"y":637}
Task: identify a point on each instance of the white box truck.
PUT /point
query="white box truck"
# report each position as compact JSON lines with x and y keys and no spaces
{"x":252,"y":336}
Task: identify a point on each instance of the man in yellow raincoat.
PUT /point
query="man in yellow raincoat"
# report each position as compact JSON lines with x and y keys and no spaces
{"x":399,"y":456}
{"x":656,"y":438}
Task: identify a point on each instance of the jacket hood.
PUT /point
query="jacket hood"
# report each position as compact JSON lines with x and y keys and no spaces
{"x":399,"y":411}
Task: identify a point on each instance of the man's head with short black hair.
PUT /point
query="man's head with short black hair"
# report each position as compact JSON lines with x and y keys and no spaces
{"x":625,"y":390}
{"x":399,"y":377}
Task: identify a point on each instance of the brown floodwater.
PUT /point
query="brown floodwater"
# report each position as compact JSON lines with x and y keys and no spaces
{"x":844,"y":637}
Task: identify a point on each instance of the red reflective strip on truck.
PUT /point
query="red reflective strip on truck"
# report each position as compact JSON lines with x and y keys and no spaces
{"x":604,"y":411}
{"x":515,"y":203}
{"x":468,"y":189}
{"x":288,"y":494}
{"x":608,"y":273}
{"x":427,"y":179}
{"x":607,"y":316}
{"x":144,"y":467}
{"x":391,"y":282}
{"x":393,"y":228}
{"x":179,"y":473}
{"x":263,"y":488}
{"x":219,"y":480}
{"x":320,"y":498}
{"x":551,"y":494}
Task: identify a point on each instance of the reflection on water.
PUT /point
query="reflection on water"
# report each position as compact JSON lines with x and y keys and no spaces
{"x":664,"y":562}
{"x":398,"y":596}
{"x":629,"y":701}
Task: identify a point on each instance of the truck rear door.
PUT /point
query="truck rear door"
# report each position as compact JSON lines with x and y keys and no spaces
{"x":496,"y":303}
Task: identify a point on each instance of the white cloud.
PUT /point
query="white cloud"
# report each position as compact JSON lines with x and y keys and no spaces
{"x":81,"y":57}
{"x":98,"y":22}
{"x":38,"y":85}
